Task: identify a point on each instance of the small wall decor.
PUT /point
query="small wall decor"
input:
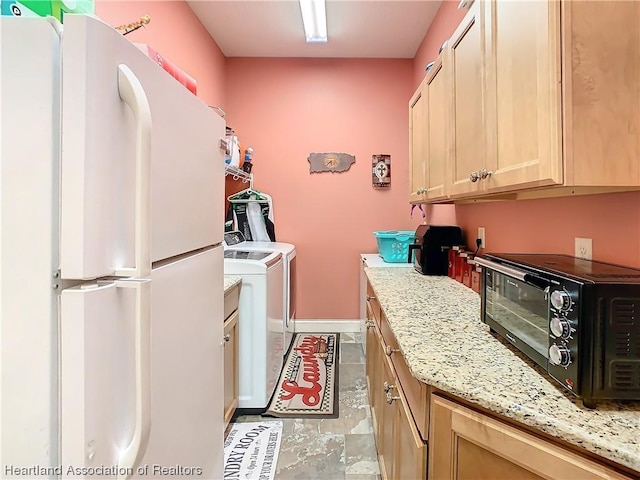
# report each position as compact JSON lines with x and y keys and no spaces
{"x":330,"y":162}
{"x":381,"y":170}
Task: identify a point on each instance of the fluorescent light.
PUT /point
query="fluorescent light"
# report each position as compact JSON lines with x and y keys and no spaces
{"x":314,"y":17}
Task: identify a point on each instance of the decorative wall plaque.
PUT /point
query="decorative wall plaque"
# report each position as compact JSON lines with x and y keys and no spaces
{"x":381,"y":170}
{"x":330,"y":162}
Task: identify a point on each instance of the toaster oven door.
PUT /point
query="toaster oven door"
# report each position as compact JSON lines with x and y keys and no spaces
{"x":516,"y":305}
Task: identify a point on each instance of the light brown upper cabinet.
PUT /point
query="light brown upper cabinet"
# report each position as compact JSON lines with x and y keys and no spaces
{"x":523,"y":95}
{"x":438,"y":82}
{"x":418,"y":143}
{"x":429,"y":149}
{"x":464,"y":55}
{"x":545,"y":99}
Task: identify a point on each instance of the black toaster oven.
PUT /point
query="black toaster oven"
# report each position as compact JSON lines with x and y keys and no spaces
{"x":578,"y":319}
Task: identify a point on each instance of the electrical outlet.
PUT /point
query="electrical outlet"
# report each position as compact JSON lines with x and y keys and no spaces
{"x":482,"y":237}
{"x":584,"y":248}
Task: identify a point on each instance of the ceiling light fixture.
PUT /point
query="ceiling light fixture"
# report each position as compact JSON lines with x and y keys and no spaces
{"x":314,"y":18}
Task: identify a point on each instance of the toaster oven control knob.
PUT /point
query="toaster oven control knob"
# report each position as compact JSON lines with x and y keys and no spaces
{"x":560,"y":300}
{"x":559,"y":355}
{"x":560,"y":327}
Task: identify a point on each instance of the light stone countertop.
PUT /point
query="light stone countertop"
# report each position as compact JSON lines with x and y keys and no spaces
{"x":436,"y":322}
{"x":231,"y":281}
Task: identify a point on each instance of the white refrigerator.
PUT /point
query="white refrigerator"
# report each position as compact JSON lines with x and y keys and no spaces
{"x":111,"y":265}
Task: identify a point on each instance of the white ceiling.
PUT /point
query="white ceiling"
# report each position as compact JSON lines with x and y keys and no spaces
{"x":356,"y":28}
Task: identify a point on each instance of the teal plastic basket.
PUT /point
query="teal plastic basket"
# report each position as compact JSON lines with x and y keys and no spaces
{"x":393,"y":245}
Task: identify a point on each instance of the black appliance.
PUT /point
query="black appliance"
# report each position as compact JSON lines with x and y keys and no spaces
{"x":432,"y":248}
{"x":578,"y":319}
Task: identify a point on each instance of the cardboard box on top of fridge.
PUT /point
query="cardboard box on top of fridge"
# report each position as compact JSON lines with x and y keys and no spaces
{"x":175,"y":71}
{"x":43,"y":8}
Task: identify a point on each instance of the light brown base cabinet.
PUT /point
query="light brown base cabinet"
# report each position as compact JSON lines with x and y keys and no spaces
{"x":402,"y":453}
{"x":468,"y":445}
{"x":230,"y":339}
{"x":422,"y":432}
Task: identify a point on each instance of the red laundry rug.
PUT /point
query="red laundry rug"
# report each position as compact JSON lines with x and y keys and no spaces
{"x":308,"y":384}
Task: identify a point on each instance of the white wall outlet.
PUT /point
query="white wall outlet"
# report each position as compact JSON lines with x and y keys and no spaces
{"x":584,"y":248}
{"x":482,"y":237}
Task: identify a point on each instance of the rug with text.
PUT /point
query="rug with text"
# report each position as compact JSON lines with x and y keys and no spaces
{"x":308,"y":384}
{"x":251,"y":450}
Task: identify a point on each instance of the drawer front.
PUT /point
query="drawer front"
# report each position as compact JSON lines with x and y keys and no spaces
{"x":373,"y":303}
{"x":415,"y":391}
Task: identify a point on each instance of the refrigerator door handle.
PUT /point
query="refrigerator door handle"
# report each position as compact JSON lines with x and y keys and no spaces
{"x":133,"y":94}
{"x":134,"y":452}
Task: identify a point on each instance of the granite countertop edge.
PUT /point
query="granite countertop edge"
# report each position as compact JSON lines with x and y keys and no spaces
{"x":231,"y":281}
{"x":436,"y":322}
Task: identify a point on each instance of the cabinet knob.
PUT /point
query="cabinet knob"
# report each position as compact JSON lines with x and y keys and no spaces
{"x":391,"y":398}
{"x":390,"y":350}
{"x":484,"y":173}
{"x":370,"y":297}
{"x":227,"y":337}
{"x":388,"y":386}
{"x":474,"y":177}
{"x":369,"y":324}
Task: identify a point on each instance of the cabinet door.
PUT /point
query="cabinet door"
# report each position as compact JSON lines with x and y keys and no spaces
{"x":230,"y":367}
{"x":387,"y":418}
{"x":465,"y":57}
{"x":464,"y":444}
{"x":411,"y":452}
{"x":437,"y":156}
{"x":418,"y":138}
{"x":374,"y":376}
{"x":523,"y":94}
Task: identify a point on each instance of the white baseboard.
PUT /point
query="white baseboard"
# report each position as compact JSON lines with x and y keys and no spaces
{"x":327,"y":326}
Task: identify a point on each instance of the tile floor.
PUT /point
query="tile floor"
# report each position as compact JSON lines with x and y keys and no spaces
{"x":333,"y":449}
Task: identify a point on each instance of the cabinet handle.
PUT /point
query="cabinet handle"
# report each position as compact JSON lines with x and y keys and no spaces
{"x":391,"y":398}
{"x":474,"y":177}
{"x":390,"y":350}
{"x":369,"y":324}
{"x":388,"y":386}
{"x":371,"y":297}
{"x":227,"y":337}
{"x":484,"y":173}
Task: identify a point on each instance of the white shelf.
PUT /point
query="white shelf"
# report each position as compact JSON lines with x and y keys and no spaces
{"x":238,"y":174}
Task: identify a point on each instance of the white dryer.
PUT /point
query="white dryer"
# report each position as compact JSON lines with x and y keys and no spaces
{"x":260,"y":324}
{"x":236,"y":241}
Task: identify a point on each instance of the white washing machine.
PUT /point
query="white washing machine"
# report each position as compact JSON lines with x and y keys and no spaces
{"x":236,"y":241}
{"x":260,"y":324}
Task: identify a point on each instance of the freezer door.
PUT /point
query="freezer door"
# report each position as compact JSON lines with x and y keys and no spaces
{"x":102,"y":137}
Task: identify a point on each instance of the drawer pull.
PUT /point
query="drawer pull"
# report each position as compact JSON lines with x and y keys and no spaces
{"x":227,"y":337}
{"x":391,"y":398}
{"x":369,"y":324}
{"x":388,"y":386}
{"x":370,"y":297}
{"x":390,"y":350}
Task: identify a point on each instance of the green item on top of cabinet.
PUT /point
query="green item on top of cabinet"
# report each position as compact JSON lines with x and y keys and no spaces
{"x":43,"y":8}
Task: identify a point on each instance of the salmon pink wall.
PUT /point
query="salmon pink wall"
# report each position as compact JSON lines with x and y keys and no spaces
{"x":287,"y":108}
{"x":176,"y":33}
{"x":546,"y":225}
{"x":442,"y":27}
{"x":612,"y":221}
